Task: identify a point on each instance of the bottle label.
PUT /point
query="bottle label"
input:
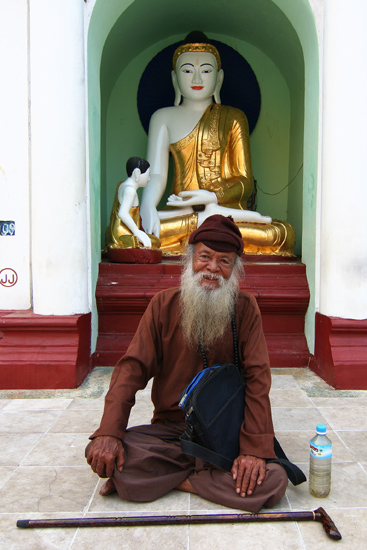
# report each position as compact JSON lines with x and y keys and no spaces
{"x":320,"y":451}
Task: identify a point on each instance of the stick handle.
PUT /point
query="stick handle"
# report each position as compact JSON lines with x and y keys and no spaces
{"x":328,"y":524}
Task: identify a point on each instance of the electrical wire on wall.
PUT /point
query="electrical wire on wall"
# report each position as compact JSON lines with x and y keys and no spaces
{"x":251,"y":203}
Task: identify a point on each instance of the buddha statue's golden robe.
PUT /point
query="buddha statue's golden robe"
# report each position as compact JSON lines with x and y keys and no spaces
{"x":215,"y":156}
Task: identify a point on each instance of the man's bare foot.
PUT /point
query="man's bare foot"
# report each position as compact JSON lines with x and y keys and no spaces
{"x":186,"y":487}
{"x":107,"y":488}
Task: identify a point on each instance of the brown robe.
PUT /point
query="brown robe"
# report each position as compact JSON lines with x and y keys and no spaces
{"x":158,"y":350}
{"x":154,"y":463}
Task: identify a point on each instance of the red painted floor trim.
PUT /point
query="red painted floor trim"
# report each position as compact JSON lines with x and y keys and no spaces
{"x":43,"y":351}
{"x":341,"y":352}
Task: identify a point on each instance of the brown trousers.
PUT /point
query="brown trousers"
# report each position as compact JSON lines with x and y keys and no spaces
{"x":155,"y":464}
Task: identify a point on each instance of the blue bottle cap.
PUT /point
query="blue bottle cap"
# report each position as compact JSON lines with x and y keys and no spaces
{"x":321,"y":429}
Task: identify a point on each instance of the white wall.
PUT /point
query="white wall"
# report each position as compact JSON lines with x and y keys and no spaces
{"x":59,"y":197}
{"x":14,"y":160}
{"x":343,"y":282}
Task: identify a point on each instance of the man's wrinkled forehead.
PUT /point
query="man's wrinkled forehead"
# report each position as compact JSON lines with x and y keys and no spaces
{"x":211,"y":250}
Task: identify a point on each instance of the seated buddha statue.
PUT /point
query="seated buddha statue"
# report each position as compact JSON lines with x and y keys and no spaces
{"x":210,"y":146}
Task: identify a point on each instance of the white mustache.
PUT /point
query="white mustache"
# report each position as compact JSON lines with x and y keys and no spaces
{"x":211,"y":277}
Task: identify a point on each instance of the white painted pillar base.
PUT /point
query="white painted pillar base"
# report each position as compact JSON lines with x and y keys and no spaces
{"x":343,"y":283}
{"x":59,"y":204}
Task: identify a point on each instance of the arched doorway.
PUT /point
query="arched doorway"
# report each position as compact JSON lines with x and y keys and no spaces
{"x":280,"y":43}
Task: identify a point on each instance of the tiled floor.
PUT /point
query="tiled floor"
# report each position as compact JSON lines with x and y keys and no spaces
{"x":43,"y":472}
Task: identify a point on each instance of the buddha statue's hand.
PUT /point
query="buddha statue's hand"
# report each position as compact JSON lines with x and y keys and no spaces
{"x":195,"y":197}
{"x":237,"y":214}
{"x":143,"y":238}
{"x":150,"y":219}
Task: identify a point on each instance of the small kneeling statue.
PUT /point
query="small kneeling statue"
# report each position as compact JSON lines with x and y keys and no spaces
{"x":124,"y":230}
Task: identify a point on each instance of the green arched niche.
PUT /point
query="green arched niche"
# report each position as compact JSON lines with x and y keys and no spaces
{"x":278,"y":39}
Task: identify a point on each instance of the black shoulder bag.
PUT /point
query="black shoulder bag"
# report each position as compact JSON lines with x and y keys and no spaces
{"x":213,"y":404}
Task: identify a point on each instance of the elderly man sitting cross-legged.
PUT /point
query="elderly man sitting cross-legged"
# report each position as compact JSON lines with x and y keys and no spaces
{"x":146,"y":462}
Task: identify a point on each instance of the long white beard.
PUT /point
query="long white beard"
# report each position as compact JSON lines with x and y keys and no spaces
{"x":206,"y":314}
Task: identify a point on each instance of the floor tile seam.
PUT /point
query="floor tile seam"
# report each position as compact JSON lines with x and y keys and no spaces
{"x":99,"y":409}
{"x":288,"y":389}
{"x":52,"y":409}
{"x":3,"y":483}
{"x":100,"y":399}
{"x":347,"y":462}
{"x":297,"y":430}
{"x":73,"y":539}
{"x":88,"y":505}
{"x":188,"y":529}
{"x":69,"y":433}
{"x":33,"y":447}
{"x":51,"y":467}
{"x":302,"y":407}
{"x":20,"y":411}
{"x":361,"y":466}
{"x":345,"y":398}
{"x":52,"y":425}
{"x":359,"y":408}
{"x":53,"y":400}
{"x":11,"y":433}
{"x":300,"y":535}
{"x":292,"y":407}
{"x":43,"y":434}
{"x":64,"y":433}
{"x":333,"y":403}
{"x":334,"y":428}
{"x":344,"y":443}
{"x":334,"y":461}
{"x":9,"y":414}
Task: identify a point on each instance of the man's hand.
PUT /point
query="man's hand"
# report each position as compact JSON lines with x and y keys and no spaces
{"x":104,"y":452}
{"x":248,"y":471}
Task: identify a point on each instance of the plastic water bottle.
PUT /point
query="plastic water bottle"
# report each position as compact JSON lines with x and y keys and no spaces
{"x":320,"y":463}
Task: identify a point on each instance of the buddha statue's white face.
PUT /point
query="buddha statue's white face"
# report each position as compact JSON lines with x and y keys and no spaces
{"x":197,"y":75}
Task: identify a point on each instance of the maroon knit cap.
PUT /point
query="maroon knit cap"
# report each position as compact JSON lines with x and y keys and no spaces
{"x":220,"y":234}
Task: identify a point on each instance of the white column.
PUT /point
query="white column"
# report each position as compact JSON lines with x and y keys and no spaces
{"x":14,"y":153}
{"x":59,"y":204}
{"x":343,"y":283}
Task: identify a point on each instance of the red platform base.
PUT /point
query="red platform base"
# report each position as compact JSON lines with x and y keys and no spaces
{"x":43,"y":351}
{"x":341,"y":352}
{"x":134,"y":255}
{"x":124,"y":291}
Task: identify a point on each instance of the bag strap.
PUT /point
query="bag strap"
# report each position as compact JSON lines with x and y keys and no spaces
{"x":193,"y":449}
{"x":294,"y":473}
{"x":235,"y":346}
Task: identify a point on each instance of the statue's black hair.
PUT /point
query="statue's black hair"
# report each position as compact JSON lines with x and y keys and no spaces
{"x":196,"y":37}
{"x":136,"y":162}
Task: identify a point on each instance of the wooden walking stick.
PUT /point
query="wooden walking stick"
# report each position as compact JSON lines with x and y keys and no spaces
{"x":317,"y":515}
